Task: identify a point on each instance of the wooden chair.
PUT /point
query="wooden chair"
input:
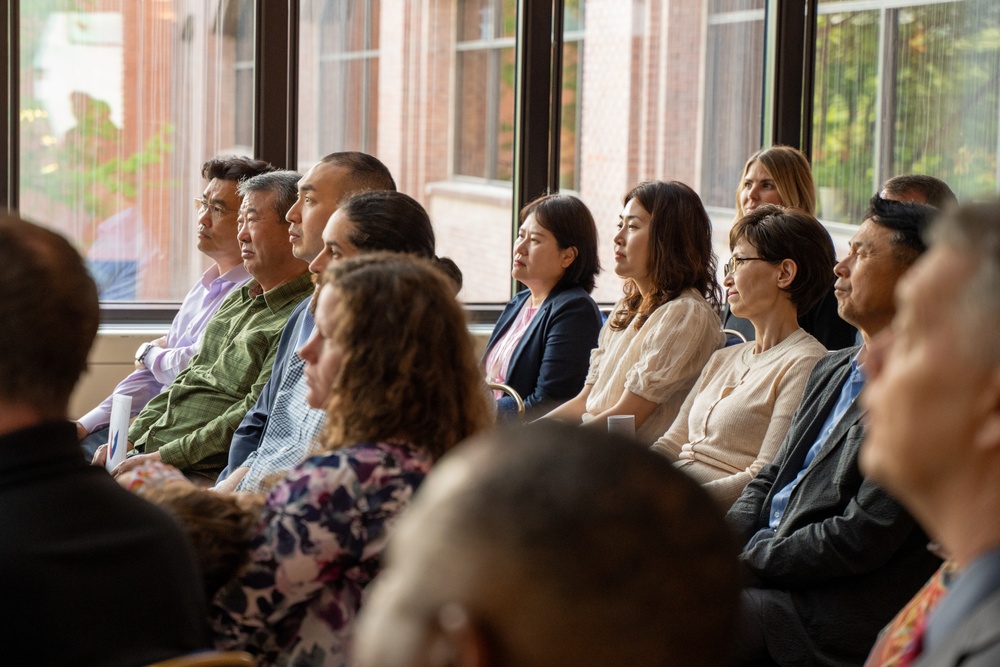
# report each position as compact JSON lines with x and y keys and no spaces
{"x":210,"y":659}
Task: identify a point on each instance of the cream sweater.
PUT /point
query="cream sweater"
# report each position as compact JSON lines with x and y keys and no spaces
{"x":734,"y":419}
{"x":660,"y":362}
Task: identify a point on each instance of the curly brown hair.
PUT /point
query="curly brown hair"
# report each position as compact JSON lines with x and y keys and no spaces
{"x":408,"y":369}
{"x":680,"y":251}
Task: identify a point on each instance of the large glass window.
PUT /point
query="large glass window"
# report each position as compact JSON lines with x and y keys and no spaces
{"x":905,"y":87}
{"x":120,"y":103}
{"x":668,"y":91}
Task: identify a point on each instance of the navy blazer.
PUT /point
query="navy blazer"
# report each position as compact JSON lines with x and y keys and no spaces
{"x":846,"y":556}
{"x":549,"y":364}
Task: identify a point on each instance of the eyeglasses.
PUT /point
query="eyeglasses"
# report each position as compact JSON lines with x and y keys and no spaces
{"x":735,"y":262}
{"x":202,"y":205}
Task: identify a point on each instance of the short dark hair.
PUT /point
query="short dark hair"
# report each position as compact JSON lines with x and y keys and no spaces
{"x":608,"y":542}
{"x":935,"y":191}
{"x":281,"y":183}
{"x":234,"y":168}
{"x":367,"y":171}
{"x":908,"y":223}
{"x":680,"y":250}
{"x":571,"y":223}
{"x":778,"y":233}
{"x":49,"y":313}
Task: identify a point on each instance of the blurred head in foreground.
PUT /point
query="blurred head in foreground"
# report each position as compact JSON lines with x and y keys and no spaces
{"x":554,"y":545}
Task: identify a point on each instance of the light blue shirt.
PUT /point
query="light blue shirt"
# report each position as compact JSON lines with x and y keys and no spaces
{"x":848,"y":393}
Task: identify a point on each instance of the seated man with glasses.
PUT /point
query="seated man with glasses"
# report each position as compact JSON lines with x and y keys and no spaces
{"x":158,"y":362}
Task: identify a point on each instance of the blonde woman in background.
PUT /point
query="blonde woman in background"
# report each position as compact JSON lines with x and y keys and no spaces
{"x":781,"y":175}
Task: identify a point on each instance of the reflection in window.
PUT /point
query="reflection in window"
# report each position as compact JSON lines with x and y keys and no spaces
{"x":905,"y":88}
{"x":119,"y":108}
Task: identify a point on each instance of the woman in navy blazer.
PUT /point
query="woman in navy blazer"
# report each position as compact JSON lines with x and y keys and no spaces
{"x":541,"y":344}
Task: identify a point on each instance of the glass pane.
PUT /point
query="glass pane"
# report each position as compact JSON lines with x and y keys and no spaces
{"x":474,"y":114}
{"x":505,"y":117}
{"x":443,"y":124}
{"x":121,"y":102}
{"x":569,"y":136}
{"x":845,"y":110}
{"x":933,"y":111}
{"x":484,"y":20}
{"x":662,"y":90}
{"x":733,"y":96}
{"x":947,"y":84}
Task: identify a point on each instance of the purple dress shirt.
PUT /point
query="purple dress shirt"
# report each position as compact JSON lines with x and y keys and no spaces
{"x":183,"y":339}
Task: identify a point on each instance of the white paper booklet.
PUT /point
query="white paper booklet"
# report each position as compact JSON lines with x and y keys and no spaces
{"x":121,"y":407}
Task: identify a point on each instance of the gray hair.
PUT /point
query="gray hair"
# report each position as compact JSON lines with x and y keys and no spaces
{"x":974,"y":230}
{"x":282,"y":184}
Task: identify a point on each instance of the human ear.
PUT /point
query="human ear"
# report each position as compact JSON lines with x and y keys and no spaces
{"x":988,"y":433}
{"x":787,"y":270}
{"x":569,"y":256}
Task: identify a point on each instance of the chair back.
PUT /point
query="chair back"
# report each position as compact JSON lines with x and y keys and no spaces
{"x":210,"y":659}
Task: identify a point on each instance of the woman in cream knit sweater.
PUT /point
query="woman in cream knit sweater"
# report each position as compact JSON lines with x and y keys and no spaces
{"x":734,"y":419}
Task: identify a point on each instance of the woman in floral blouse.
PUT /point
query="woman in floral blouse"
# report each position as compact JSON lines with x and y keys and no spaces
{"x":392,"y":362}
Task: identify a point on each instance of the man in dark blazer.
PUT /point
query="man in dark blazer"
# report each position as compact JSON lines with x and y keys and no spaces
{"x":72,"y":589}
{"x":830,"y":555}
{"x":934,"y":415}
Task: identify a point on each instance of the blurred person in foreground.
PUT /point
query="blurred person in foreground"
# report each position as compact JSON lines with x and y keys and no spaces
{"x":934,"y":429}
{"x":69,"y":589}
{"x":554,"y":545}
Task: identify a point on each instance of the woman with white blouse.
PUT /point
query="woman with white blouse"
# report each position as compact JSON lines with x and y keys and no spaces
{"x":662,"y":332}
{"x":737,"y":414}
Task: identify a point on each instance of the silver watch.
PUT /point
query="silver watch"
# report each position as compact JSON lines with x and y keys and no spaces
{"x":140,"y":354}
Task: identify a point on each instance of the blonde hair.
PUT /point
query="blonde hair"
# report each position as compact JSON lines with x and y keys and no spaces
{"x":789,"y":169}
{"x":408,"y":369}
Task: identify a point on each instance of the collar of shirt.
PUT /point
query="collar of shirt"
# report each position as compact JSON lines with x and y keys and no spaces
{"x":978,"y":581}
{"x":277,"y":297}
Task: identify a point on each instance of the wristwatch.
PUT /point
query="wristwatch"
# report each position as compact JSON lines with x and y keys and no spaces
{"x":140,"y":354}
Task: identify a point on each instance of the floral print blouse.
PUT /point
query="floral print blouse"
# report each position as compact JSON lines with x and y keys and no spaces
{"x":320,"y":542}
